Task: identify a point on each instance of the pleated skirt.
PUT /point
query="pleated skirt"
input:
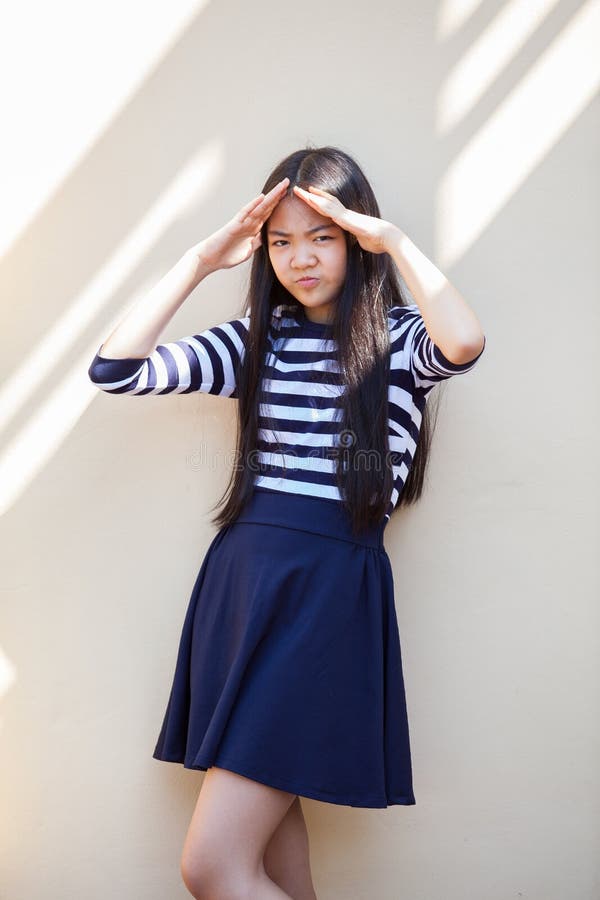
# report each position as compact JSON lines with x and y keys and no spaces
{"x":289,"y":667}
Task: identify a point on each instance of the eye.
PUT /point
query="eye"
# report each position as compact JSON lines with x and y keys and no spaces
{"x":322,"y":237}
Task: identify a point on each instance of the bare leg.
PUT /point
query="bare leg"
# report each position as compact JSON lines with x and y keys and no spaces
{"x":287,"y":859}
{"x":232,"y":823}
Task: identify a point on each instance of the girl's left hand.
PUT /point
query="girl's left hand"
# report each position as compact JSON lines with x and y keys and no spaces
{"x":370,"y":232}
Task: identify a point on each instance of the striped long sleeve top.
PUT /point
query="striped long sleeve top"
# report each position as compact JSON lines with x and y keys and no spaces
{"x":299,"y":412}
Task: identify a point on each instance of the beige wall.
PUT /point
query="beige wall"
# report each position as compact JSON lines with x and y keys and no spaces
{"x":487,"y":161}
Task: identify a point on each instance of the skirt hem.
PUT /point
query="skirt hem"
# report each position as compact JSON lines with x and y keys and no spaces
{"x":249,"y":771}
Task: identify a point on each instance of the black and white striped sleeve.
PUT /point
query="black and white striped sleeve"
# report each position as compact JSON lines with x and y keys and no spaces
{"x":206,"y":362}
{"x":412,"y":348}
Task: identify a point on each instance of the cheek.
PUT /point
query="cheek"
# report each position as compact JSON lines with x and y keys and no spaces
{"x":276,"y":268}
{"x":280,"y":266}
{"x":342,"y":264}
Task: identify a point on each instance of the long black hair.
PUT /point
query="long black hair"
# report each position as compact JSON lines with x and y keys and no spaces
{"x":360,"y":329}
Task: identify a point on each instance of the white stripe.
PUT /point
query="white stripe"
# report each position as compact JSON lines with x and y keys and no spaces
{"x":143,"y":382}
{"x":161,"y":371}
{"x":184,"y":374}
{"x":397,"y":444}
{"x":111,"y":385}
{"x":299,"y":413}
{"x":309,"y":345}
{"x":298,"y":438}
{"x":288,"y":485}
{"x":301,"y":388}
{"x":400,"y":397}
{"x":204,"y":360}
{"x":287,"y":461}
{"x":322,"y":365}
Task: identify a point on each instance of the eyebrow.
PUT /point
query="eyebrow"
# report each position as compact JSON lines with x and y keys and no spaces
{"x":310,"y":230}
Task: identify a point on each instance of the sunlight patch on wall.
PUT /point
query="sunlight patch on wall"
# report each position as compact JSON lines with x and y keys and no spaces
{"x":8,"y":673}
{"x":515,"y":139}
{"x":485,"y":59}
{"x":452,"y":15}
{"x":27,"y":453}
{"x":76,"y":65}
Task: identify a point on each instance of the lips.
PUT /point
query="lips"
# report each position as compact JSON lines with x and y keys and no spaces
{"x":307,"y":281}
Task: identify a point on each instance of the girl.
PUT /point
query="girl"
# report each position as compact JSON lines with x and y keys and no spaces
{"x":288,"y":680}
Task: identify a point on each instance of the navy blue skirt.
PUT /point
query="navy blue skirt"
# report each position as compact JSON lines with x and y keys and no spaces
{"x":289,"y":667}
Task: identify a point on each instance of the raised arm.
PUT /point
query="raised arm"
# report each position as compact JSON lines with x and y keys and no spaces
{"x":138,"y":332}
{"x":439,"y":335}
{"x":130,"y":361}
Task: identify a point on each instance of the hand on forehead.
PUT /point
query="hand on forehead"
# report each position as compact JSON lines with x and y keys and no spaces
{"x":295,"y":216}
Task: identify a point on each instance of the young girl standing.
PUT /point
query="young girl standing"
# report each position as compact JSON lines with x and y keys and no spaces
{"x":288,"y":680}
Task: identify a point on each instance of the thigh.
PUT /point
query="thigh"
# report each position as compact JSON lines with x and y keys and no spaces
{"x":287,"y":857}
{"x":232,"y":823}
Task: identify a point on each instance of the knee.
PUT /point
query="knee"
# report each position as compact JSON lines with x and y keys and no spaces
{"x":198,"y":876}
{"x":205,"y":880}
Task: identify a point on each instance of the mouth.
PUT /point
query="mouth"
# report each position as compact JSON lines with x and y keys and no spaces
{"x":307,"y":281}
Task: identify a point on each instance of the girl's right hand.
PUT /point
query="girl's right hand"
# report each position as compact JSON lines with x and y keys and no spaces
{"x":236,"y":241}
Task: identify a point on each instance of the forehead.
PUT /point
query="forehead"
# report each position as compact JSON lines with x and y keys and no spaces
{"x":295,"y":216}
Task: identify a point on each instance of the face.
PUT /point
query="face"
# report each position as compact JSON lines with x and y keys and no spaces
{"x":309,"y":245}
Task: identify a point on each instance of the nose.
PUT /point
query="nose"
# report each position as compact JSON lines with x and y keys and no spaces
{"x":303,"y":257}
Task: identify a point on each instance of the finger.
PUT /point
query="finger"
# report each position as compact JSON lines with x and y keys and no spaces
{"x":314,"y":202}
{"x":247,"y":209}
{"x":262,"y":198}
{"x":309,"y":197}
{"x":256,"y":217}
{"x":302,"y":193}
{"x":278,"y":189}
{"x":262,"y":212}
{"x":269,"y":202}
{"x":272,"y":203}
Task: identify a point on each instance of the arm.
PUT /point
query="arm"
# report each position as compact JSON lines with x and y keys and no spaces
{"x":136,"y":335}
{"x":207,"y":362}
{"x":450,"y":322}
{"x":414,"y":357}
{"x":450,"y":332}
{"x":129,"y":360}
{"x":138,"y":332}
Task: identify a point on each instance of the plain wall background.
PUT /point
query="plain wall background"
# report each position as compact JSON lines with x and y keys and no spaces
{"x":133,"y":134}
